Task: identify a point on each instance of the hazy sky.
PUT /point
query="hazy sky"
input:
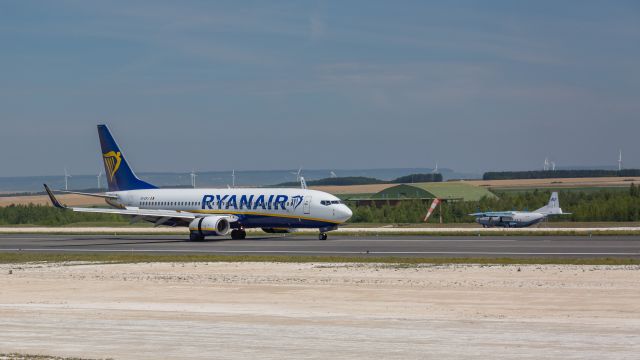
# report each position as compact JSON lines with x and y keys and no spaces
{"x":474,"y":85}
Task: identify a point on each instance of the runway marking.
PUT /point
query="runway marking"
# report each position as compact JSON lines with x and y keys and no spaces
{"x":329,"y":252}
{"x":142,"y":242}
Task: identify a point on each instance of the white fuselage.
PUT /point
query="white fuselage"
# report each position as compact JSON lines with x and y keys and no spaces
{"x":254,"y":207}
{"x":511,"y":219}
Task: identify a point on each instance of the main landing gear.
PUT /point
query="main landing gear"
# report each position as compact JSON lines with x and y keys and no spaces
{"x":195,"y":236}
{"x":238,"y":234}
{"x":322,"y":236}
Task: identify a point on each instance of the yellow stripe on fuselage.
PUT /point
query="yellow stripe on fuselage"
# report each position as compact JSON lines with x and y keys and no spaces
{"x":262,"y":214}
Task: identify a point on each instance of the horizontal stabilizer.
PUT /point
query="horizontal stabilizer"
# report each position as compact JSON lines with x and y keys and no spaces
{"x":104,"y":196}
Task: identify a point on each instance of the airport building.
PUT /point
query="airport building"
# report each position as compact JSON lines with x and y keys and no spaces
{"x":447,"y":191}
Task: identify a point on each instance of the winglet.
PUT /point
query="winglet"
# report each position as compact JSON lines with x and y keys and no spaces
{"x":54,"y":201}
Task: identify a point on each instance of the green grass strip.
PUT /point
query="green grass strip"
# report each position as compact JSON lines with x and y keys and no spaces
{"x":120,"y":258}
{"x":577,"y":232}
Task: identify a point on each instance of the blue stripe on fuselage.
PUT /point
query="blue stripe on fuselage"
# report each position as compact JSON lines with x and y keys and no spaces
{"x":258,"y":221}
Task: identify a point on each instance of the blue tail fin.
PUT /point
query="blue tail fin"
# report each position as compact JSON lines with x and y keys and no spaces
{"x":119,"y":175}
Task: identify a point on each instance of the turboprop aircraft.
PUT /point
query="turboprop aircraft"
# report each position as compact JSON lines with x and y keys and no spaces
{"x":519,"y":219}
{"x":210,"y":212}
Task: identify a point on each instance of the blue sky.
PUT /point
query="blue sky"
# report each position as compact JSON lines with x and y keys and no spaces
{"x":474,"y":85}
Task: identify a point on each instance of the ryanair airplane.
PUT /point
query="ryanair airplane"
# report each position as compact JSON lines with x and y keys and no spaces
{"x":211,"y":212}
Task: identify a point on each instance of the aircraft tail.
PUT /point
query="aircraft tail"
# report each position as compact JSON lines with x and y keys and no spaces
{"x":553,"y":207}
{"x":120,"y":177}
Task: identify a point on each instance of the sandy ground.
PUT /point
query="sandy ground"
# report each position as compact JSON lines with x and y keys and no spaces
{"x":320,"y":311}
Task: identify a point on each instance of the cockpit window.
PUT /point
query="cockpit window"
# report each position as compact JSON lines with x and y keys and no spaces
{"x":330,"y":202}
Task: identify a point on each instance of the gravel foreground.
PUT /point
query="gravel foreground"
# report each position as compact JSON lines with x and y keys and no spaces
{"x":319,"y":311}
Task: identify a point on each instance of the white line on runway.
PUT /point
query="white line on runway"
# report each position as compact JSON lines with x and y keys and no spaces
{"x":330,"y":252}
{"x":360,"y":240}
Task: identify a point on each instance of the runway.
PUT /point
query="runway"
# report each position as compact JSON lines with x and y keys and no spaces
{"x":398,"y":246}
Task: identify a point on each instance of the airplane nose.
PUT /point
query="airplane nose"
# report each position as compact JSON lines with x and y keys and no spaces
{"x":345,"y":213}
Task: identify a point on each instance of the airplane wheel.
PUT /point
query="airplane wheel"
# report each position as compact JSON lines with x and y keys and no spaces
{"x":195,"y":236}
{"x":322,"y":236}
{"x":238,"y":234}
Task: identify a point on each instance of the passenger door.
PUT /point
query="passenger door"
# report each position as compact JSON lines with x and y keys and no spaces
{"x":306,"y":205}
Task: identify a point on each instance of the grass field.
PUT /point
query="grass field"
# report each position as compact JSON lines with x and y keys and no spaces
{"x":557,"y":183}
{"x":586,"y":189}
{"x":579,"y":184}
{"x":519,"y":185}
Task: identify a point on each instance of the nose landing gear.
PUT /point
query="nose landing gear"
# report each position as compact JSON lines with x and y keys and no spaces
{"x":322,"y":236}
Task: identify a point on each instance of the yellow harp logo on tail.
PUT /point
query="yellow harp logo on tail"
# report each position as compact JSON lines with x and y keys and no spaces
{"x":112,"y":161}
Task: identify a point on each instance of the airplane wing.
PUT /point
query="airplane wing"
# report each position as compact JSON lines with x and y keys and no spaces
{"x":159,"y":217}
{"x":478,"y":214}
{"x":491,"y":213}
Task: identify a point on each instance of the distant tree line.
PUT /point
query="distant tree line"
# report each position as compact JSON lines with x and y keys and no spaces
{"x":600,"y":205}
{"x":551,"y":174}
{"x":49,"y":216}
{"x":417,"y":178}
{"x":362,"y":180}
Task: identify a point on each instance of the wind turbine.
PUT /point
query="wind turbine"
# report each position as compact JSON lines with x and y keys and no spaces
{"x":553,"y":166}
{"x":546,"y":164}
{"x":193,"y":178}
{"x":99,"y":176}
{"x":620,"y":160}
{"x":297,"y":174}
{"x":66,"y":179}
{"x":333,"y":174}
{"x":435,"y":170}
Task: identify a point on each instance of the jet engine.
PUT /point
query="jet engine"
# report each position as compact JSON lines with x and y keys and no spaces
{"x":210,"y":226}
